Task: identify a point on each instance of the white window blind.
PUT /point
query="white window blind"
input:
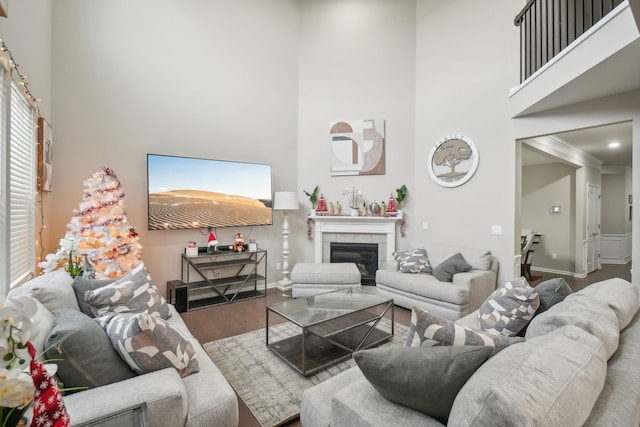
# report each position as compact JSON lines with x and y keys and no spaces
{"x":17,"y":183}
{"x":21,"y":187}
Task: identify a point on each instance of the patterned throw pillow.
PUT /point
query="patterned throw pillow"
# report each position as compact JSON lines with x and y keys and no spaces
{"x":148,"y":343}
{"x":508,"y":309}
{"x":427,"y":329}
{"x":134,"y":293}
{"x":414,"y":261}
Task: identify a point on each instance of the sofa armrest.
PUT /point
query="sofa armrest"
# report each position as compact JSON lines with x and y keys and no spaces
{"x":480,"y":284}
{"x":391,"y":265}
{"x":163,"y":391}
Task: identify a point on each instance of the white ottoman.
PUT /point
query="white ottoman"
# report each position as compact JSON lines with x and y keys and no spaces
{"x":313,"y":278}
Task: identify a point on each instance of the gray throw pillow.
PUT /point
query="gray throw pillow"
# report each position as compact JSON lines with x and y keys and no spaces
{"x":81,"y":285}
{"x":86,"y":356}
{"x":426,"y":379}
{"x":446,"y":269}
{"x":551,"y":292}
{"x":148,"y":343}
{"x":427,"y":329}
{"x":413,"y":261}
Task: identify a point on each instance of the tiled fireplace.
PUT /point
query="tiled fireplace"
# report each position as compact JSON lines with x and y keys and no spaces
{"x":354,"y":229}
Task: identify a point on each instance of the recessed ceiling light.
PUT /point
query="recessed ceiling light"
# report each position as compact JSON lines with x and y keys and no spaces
{"x":614,"y":145}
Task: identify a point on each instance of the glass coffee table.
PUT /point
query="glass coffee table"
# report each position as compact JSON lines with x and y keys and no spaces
{"x":329,"y":327}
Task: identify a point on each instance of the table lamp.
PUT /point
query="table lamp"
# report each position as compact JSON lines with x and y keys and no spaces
{"x":285,"y":201}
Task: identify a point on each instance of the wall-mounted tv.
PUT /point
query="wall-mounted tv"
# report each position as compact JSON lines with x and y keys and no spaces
{"x":187,"y":193}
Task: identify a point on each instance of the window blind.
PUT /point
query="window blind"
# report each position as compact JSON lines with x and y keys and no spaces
{"x":17,"y":183}
{"x":21,"y":187}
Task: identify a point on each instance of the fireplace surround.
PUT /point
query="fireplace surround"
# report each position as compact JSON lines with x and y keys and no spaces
{"x":380,"y":230}
{"x":363,"y":255}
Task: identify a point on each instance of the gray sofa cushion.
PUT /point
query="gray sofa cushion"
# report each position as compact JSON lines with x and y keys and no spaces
{"x":86,"y":356}
{"x":52,"y":289}
{"x":453,"y":265}
{"x":359,"y":405}
{"x":508,"y":309}
{"x":423,"y":378}
{"x":620,"y":295}
{"x":580,"y":310}
{"x":427,"y":329}
{"x":520,"y":387}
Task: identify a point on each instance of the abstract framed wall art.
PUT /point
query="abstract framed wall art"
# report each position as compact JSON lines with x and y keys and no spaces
{"x":357,"y":147}
{"x":453,"y":160}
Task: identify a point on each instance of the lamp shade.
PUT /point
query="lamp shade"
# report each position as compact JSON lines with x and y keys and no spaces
{"x":285,"y":201}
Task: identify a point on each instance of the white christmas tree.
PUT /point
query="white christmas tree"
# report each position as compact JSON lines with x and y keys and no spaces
{"x":100,"y":230}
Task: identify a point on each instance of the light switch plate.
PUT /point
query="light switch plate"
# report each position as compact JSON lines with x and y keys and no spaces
{"x":496,"y":230}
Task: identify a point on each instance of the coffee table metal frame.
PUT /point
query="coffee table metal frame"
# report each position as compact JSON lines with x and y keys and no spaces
{"x":333,"y":326}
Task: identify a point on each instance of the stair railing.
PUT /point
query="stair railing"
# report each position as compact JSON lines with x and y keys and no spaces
{"x":549,"y":26}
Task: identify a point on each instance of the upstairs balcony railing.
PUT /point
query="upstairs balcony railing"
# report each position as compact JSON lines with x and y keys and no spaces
{"x":549,"y":26}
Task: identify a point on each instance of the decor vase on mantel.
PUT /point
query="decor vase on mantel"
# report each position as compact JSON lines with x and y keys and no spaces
{"x":355,"y":212}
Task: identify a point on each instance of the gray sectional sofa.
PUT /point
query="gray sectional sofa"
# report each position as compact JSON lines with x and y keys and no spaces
{"x":576,"y":367}
{"x":204,"y":398}
{"x":465,"y":292}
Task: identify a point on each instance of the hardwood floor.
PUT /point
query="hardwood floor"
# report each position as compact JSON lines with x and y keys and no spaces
{"x":210,"y":324}
{"x":606,"y":272}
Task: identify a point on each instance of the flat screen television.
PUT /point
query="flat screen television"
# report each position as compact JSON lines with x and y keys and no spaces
{"x":187,"y":193}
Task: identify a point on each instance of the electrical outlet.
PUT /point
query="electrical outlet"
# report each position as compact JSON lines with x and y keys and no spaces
{"x":554,"y":256}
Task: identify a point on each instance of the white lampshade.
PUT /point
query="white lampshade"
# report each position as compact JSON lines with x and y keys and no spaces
{"x":285,"y":201}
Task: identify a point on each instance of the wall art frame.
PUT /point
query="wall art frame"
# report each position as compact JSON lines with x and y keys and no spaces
{"x":357,"y":147}
{"x":45,"y":155}
{"x":453,"y":160}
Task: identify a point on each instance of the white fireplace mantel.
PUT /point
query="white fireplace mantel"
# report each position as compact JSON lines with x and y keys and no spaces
{"x":355,"y":225}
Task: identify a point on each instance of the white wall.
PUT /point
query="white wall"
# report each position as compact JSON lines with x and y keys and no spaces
{"x":544,"y":186}
{"x":614,"y":204}
{"x":357,"y":61}
{"x":190,"y":78}
{"x":27,"y":33}
{"x":467,"y":59}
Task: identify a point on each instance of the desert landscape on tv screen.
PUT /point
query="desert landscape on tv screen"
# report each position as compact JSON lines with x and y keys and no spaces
{"x":187,"y":193}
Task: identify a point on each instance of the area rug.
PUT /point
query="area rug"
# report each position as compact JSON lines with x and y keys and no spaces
{"x":270,"y":388}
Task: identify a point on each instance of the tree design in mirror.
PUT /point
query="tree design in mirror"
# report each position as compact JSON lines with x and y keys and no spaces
{"x":357,"y":147}
{"x":453,"y":160}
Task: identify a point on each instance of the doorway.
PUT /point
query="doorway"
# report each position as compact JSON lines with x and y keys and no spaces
{"x":592,"y":224}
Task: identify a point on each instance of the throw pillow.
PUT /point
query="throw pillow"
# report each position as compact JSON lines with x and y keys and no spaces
{"x":445,"y":270}
{"x":52,"y":289}
{"x":508,"y":309}
{"x":134,"y":293}
{"x":551,"y":292}
{"x":148,"y":343}
{"x":427,"y":329}
{"x":83,"y":352}
{"x":414,"y":261}
{"x":426,"y":379}
{"x":81,"y":285}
